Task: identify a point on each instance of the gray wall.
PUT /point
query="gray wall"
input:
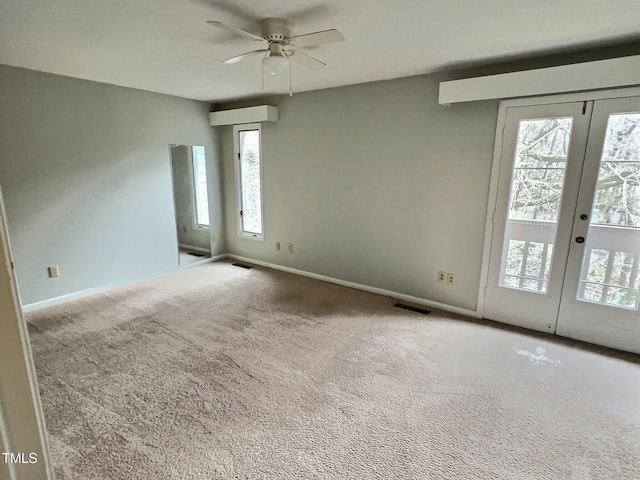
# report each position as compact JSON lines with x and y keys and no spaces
{"x":375,"y":184}
{"x":183,"y":199}
{"x":86,"y":177}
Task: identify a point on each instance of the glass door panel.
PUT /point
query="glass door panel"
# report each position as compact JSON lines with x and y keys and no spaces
{"x":609,"y":273}
{"x":541,"y":163}
{"x":601,"y":292}
{"x":534,"y":203}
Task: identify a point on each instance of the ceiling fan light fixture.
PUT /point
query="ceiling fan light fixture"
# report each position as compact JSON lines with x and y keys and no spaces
{"x":275,"y":64}
{"x":282,"y":46}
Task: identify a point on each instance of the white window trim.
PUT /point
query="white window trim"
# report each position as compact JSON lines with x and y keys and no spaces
{"x":192,"y":184}
{"x":236,"y":159}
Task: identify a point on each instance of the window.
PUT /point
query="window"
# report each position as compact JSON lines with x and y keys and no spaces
{"x":248,"y":153}
{"x":201,"y":198}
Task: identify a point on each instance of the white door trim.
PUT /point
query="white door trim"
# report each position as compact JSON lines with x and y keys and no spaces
{"x":21,"y":417}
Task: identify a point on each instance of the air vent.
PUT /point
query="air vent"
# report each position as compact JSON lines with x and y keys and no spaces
{"x":412,"y":308}
{"x":248,"y":267}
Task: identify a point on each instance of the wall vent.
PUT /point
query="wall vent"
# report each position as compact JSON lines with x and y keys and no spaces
{"x":424,"y":311}
{"x":248,"y":267}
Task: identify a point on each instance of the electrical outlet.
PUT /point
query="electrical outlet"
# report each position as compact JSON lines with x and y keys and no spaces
{"x":54,"y":271}
{"x":450,"y":278}
{"x":277,"y":245}
{"x":291,"y":248}
{"x":442,"y":276}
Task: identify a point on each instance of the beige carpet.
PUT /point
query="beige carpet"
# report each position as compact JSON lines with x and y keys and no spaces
{"x":220,"y":372}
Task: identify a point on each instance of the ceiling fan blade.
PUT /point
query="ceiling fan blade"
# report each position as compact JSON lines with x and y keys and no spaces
{"x":229,"y":7}
{"x":318,"y":38}
{"x":306,"y":60}
{"x":235,"y":30}
{"x":316,"y":12}
{"x":237,"y":58}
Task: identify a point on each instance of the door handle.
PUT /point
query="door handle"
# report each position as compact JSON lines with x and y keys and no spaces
{"x":579,"y":239}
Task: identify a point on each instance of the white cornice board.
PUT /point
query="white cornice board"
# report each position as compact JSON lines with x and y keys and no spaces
{"x":611,"y":73}
{"x":238,"y":116}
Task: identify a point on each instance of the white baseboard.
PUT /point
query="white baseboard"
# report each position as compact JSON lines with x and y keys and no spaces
{"x":380,"y":291}
{"x":195,"y":249}
{"x":366,"y":288}
{"x":50,"y":302}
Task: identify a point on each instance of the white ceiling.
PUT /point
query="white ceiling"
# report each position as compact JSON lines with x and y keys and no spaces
{"x":165,"y":45}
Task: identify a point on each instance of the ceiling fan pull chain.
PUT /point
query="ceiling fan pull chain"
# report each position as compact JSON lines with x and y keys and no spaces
{"x":290,"y":68}
{"x":262,"y":69}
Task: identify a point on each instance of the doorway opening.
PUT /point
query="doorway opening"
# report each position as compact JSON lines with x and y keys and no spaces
{"x":565,"y":245}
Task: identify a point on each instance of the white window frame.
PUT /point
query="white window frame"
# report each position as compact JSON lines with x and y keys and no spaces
{"x":192,"y":183}
{"x":236,"y":156}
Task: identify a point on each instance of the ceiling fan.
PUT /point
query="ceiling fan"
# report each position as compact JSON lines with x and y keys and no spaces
{"x":282,"y":45}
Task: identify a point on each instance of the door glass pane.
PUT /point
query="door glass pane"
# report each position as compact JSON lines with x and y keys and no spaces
{"x":609,"y":273}
{"x":250,"y":181}
{"x":537,"y":181}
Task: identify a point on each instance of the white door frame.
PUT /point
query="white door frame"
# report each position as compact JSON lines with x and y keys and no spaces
{"x":497,"y":155}
{"x":22,"y":429}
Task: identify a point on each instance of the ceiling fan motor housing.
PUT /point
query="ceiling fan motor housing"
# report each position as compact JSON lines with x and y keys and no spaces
{"x":276,"y":29}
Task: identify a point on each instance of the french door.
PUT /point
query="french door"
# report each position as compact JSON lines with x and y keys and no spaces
{"x":565,"y":248}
